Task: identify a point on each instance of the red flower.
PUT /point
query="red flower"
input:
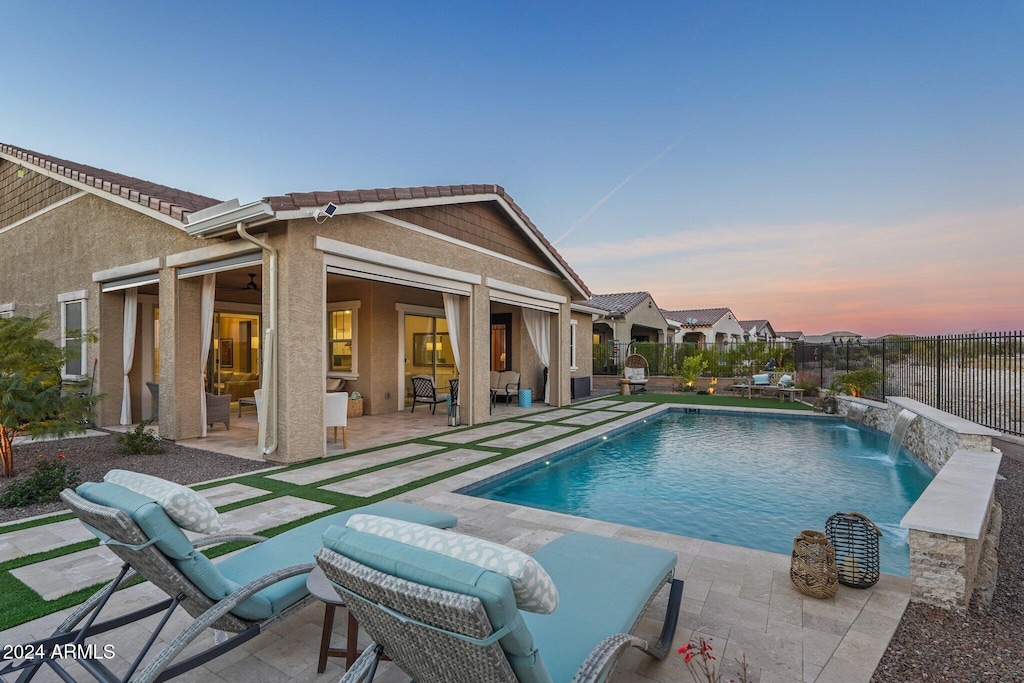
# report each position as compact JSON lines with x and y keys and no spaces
{"x":688,"y":657}
{"x":684,"y":649}
{"x":61,"y":457}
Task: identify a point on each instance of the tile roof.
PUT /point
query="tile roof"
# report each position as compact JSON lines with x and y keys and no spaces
{"x":298,"y":200}
{"x":167,"y":200}
{"x":617,"y":303}
{"x":705,"y":316}
{"x":793,"y":334}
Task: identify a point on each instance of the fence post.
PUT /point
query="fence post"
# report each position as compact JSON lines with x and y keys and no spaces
{"x":938,"y":372}
{"x":821,"y":363}
{"x":883,"y":370}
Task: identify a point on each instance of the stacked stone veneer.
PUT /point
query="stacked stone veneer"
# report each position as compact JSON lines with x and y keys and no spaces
{"x":946,"y":569}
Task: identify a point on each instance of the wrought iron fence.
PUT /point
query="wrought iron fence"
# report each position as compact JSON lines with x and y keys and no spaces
{"x":979,"y":377}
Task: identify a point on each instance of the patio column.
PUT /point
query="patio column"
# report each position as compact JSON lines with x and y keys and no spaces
{"x":479,"y":339}
{"x":558,"y":373}
{"x":301,"y":348}
{"x":180,"y":360}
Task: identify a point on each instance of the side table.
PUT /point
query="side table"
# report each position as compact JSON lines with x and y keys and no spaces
{"x":321,"y":588}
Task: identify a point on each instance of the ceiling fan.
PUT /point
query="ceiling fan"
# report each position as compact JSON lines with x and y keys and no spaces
{"x":251,"y":286}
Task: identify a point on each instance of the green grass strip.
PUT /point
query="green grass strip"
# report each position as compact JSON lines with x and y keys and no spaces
{"x":18,"y":526}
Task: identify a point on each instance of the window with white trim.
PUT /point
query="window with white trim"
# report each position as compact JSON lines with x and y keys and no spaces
{"x":343,"y":338}
{"x":72,"y":334}
{"x":572,"y":345}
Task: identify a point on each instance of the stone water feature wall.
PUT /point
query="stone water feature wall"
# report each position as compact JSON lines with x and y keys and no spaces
{"x":954,"y":526}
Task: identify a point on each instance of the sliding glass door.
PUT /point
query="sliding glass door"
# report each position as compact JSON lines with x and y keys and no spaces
{"x":428,"y":351}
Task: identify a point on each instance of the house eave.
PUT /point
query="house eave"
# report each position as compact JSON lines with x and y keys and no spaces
{"x":222,"y":219}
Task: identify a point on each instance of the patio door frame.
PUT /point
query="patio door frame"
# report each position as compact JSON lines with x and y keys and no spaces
{"x":404,"y":310}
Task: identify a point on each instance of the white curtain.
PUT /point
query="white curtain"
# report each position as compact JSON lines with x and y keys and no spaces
{"x":131,"y":314}
{"x":205,"y":338}
{"x":451,"y":314}
{"x":538,"y":325}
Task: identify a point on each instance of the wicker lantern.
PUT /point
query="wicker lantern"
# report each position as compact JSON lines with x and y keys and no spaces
{"x":855,"y":539}
{"x":813,"y":566}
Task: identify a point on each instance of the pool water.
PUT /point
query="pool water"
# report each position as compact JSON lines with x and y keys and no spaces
{"x":747,"y":480}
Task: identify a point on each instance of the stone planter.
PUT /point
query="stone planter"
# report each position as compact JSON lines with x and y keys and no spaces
{"x":355,"y":407}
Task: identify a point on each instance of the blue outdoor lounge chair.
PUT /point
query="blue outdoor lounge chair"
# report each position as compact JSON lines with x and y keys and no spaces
{"x":448,"y":608}
{"x":242,"y":594}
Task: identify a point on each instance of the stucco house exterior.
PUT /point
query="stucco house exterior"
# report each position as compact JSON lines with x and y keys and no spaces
{"x":629,"y":316}
{"x":196,"y":295}
{"x":758,"y":330}
{"x":706,"y":326}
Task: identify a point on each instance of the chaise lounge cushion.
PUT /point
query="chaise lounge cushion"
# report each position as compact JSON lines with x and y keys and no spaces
{"x":217,"y":581}
{"x":533,"y":588}
{"x":762,"y":380}
{"x":425,"y":567}
{"x":604,"y":585}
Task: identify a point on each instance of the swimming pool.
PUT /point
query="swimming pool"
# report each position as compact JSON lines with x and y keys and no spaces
{"x":749,"y":480}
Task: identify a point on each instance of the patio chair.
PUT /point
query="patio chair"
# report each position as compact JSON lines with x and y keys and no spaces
{"x":242,"y":595}
{"x":505,"y":384}
{"x":424,"y":391}
{"x":154,"y":390}
{"x":635,"y":370}
{"x":218,"y":409}
{"x":336,"y":414}
{"x":564,"y":613}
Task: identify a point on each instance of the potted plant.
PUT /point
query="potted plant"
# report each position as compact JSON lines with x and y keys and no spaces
{"x":355,"y":404}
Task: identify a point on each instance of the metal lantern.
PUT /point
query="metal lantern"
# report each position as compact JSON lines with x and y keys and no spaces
{"x":855,"y":539}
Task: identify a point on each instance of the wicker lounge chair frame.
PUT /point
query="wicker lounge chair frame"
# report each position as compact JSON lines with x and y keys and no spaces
{"x":436,"y":635}
{"x":130,"y":543}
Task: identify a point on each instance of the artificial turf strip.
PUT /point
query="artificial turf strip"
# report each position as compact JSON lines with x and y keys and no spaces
{"x":18,"y":526}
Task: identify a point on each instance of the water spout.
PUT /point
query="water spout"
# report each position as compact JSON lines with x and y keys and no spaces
{"x":899,"y":431}
{"x":855,"y":415}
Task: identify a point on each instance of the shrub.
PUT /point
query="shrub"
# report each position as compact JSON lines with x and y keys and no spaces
{"x":809,"y":381}
{"x":139,"y":441}
{"x":858,"y":382}
{"x":688,"y":371}
{"x":42,"y":486}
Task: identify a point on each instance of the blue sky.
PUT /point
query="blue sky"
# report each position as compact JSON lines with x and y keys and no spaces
{"x":828,"y":165}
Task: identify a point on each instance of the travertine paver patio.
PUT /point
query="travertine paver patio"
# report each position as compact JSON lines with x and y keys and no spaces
{"x":552,"y":416}
{"x":591,"y":417}
{"x":384,"y":480}
{"x":742,"y":599}
{"x":41,"y":539}
{"x":335,"y":468}
{"x":529,"y":437}
{"x":478,"y":433}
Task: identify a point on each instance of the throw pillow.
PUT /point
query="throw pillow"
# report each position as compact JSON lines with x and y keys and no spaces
{"x":533,"y":588}
{"x":786,"y":381}
{"x":188,"y":509}
{"x":762,"y":380}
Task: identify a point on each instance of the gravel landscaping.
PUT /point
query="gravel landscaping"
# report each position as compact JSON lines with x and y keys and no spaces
{"x":96,"y":455}
{"x":932,"y":644}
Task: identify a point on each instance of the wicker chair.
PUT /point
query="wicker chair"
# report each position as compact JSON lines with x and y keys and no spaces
{"x":218,"y":409}
{"x":443,"y":620}
{"x":263,"y":584}
{"x":636,"y":371}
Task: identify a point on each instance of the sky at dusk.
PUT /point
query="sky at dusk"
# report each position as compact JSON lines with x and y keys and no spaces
{"x":826,"y":166}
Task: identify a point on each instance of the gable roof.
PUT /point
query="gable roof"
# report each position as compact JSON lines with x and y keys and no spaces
{"x":705,"y":317}
{"x":396,"y":197}
{"x":794,"y":334}
{"x":759,"y":325}
{"x":618,"y":303}
{"x":169,"y":201}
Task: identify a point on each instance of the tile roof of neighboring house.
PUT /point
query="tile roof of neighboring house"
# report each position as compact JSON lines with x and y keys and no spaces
{"x":298,"y":200}
{"x":618,"y":303}
{"x":795,"y":334}
{"x":747,"y":324}
{"x":167,"y":200}
{"x":705,"y":316}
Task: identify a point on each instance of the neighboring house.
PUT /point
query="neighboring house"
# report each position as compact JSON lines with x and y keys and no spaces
{"x":790,"y":337}
{"x":372,"y":286}
{"x":839,"y":337}
{"x":706,"y":326}
{"x":627,"y":317}
{"x":760,"y":330}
